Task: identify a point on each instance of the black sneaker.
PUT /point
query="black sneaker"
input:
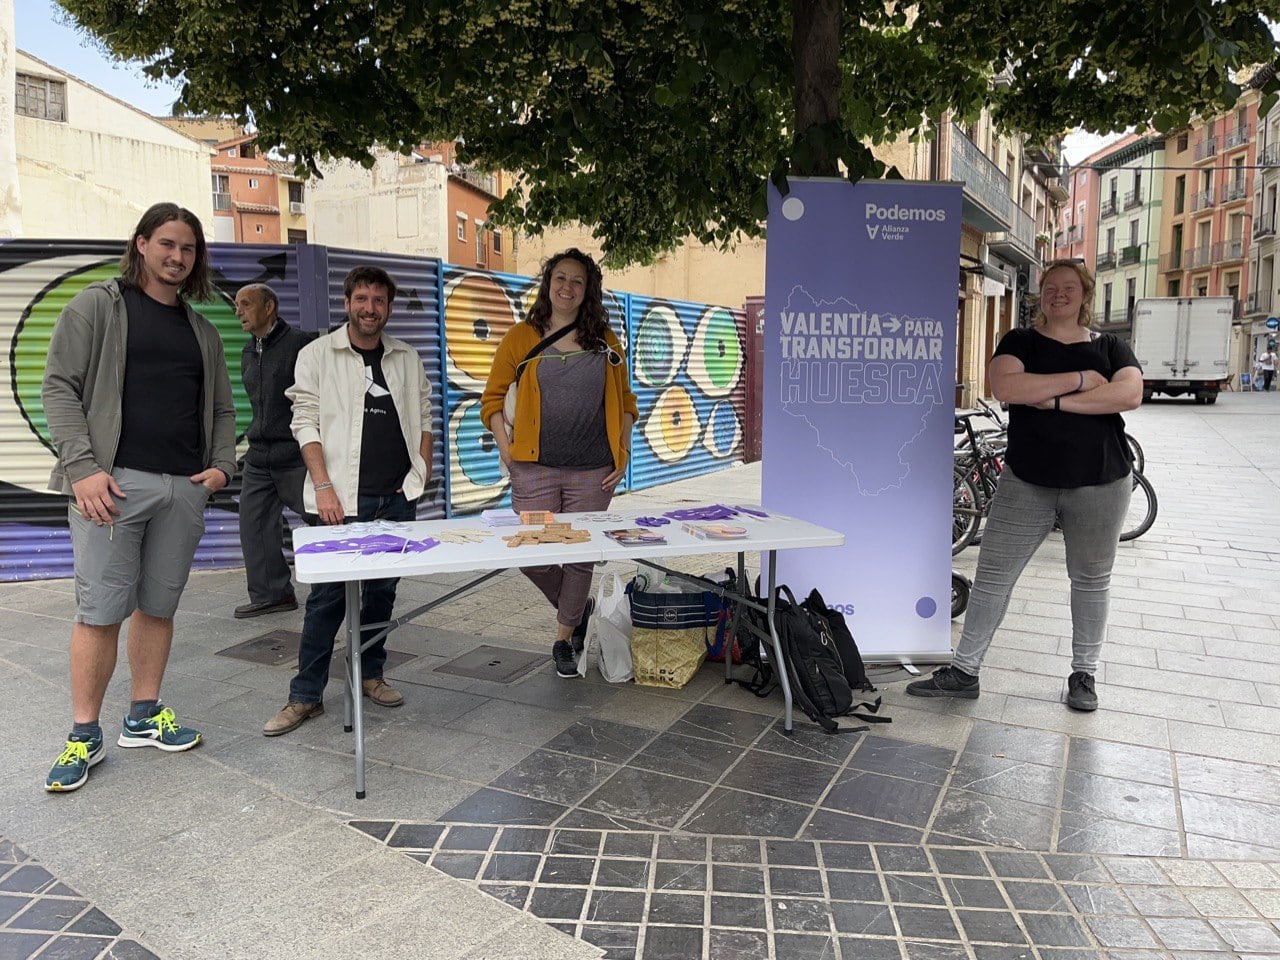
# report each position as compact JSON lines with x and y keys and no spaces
{"x":1080,"y":693}
{"x":562,"y":656}
{"x":579,"y":636}
{"x":946,"y":682}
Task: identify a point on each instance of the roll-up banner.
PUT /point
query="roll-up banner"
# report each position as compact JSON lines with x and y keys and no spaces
{"x":859,"y":393}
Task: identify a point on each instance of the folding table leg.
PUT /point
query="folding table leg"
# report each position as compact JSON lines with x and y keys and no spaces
{"x":355,"y":706}
{"x":779,"y":664}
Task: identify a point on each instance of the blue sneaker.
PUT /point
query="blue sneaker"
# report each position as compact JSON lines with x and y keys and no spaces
{"x":158,"y":730}
{"x":71,"y":770}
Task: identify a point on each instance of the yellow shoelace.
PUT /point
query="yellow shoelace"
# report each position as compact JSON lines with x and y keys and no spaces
{"x":76,"y":750}
{"x":166,"y":721}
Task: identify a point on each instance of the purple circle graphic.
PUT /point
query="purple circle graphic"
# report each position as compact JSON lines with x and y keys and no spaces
{"x":926,"y":607}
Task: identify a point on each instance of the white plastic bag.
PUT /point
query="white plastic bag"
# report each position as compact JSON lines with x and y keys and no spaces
{"x":609,"y":632}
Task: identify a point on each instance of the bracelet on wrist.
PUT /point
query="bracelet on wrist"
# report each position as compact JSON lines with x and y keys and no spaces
{"x":327,"y":485}
{"x":1081,"y":387}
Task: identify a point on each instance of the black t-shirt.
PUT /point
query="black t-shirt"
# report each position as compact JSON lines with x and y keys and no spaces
{"x":1054,"y":448}
{"x":160,"y":411}
{"x":384,"y":460}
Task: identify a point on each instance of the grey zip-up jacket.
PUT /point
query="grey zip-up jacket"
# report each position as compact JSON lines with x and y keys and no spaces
{"x":84,"y":387}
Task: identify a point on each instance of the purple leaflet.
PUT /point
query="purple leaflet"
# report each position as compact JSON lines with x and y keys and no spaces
{"x":368,"y":546}
{"x":717,"y":511}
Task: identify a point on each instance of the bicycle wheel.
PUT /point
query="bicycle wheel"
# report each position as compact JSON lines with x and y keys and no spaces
{"x":966,"y":510}
{"x":1142,"y":509}
{"x":1139,"y":459}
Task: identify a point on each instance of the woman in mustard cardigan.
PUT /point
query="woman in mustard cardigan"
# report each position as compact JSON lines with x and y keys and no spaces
{"x":571,"y":436}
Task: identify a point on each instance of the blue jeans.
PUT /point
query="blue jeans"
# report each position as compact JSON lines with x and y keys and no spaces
{"x":1022,"y":514}
{"x":327,"y":608}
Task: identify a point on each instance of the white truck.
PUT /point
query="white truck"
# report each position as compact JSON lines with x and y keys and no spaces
{"x":1184,"y":345}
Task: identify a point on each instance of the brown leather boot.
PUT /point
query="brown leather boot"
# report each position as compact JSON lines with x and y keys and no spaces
{"x":291,"y":717}
{"x":381,"y":692}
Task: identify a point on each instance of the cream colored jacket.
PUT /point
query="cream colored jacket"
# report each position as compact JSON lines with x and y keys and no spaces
{"x":328,"y":408}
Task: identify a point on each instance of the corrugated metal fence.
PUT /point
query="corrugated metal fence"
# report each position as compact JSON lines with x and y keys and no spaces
{"x":687,"y":363}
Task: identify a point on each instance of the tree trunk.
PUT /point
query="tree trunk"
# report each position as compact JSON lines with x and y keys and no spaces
{"x":815,"y":54}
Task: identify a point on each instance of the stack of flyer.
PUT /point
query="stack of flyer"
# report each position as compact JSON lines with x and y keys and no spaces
{"x":500,"y":517}
{"x":715,"y":531}
{"x":632,"y":536}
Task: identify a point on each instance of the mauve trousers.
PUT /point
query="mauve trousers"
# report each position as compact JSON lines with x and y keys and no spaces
{"x":560,"y":490}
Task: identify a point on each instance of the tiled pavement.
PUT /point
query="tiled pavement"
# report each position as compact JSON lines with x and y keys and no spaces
{"x":656,"y":824}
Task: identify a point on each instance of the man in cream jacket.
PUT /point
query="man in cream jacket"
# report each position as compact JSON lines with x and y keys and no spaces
{"x":362,"y":416}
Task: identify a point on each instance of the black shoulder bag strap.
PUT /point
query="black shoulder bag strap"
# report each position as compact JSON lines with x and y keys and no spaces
{"x":542,"y":345}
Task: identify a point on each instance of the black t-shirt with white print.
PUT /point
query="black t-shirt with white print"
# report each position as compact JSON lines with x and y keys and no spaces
{"x":384,"y":460}
{"x":1054,"y":448}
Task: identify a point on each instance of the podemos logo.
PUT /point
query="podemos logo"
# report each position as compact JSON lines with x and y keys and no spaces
{"x":898,"y":213}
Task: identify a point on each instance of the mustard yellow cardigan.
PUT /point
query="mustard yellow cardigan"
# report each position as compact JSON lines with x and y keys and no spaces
{"x":515,"y":346}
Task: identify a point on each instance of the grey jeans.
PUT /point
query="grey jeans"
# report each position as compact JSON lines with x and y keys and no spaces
{"x":1022,"y":514}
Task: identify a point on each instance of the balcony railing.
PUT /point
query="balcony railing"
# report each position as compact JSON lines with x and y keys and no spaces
{"x":1258,"y":302}
{"x":1232,"y":249}
{"x":1107,"y":208}
{"x":1202,"y":200}
{"x":1235,"y":190}
{"x":1195,"y":257}
{"x":1264,"y":225}
{"x":1107,"y":261}
{"x":1171,"y":261}
{"x":485,"y":181}
{"x":1133,"y":199}
{"x":222,"y":201}
{"x":1237,"y":136}
{"x":1130,"y":254}
{"x":1073,"y":234}
{"x":1207,"y":147}
{"x":1270,"y":156}
{"x":985,"y":183}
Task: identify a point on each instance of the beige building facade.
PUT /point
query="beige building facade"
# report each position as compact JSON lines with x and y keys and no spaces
{"x":399,"y":205}
{"x":89,"y":160}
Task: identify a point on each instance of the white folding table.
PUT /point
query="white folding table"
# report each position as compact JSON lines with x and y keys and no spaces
{"x":490,"y":557}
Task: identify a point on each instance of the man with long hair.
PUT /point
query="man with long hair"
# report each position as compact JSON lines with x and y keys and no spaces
{"x":139,"y":407}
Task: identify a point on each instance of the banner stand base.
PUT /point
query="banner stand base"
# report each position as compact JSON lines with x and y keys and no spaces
{"x":910,"y":662}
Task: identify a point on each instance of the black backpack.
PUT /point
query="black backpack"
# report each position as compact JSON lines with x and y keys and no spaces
{"x":854,"y":670}
{"x":747,"y":636}
{"x":815,"y":669}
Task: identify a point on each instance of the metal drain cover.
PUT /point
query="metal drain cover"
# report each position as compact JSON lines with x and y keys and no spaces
{"x":499,"y":664}
{"x":280,"y":647}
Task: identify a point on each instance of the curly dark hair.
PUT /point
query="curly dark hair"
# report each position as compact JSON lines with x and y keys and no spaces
{"x":593,"y":319}
{"x":370,"y":275}
{"x":199,"y":283}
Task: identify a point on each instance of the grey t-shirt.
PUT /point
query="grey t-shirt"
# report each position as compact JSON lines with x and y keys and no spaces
{"x":573,"y":432}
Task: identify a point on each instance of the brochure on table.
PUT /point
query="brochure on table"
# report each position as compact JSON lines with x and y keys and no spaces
{"x":859,"y":391}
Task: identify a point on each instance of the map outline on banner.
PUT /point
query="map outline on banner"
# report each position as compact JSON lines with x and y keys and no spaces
{"x":842,"y":304}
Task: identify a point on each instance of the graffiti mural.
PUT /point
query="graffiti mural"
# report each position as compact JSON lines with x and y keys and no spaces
{"x":687,"y":364}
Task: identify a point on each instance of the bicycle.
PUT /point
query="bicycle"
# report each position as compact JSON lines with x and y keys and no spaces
{"x":979,"y":461}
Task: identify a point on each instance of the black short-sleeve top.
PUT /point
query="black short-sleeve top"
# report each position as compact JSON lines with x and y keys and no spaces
{"x":1054,"y":448}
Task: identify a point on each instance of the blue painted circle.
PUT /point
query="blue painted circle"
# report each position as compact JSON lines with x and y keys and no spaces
{"x":926,"y":607}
